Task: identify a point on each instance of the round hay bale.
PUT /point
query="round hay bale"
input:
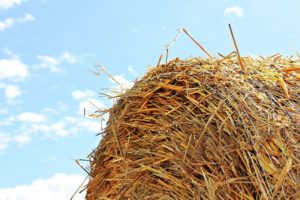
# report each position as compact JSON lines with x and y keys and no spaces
{"x":203,"y":129}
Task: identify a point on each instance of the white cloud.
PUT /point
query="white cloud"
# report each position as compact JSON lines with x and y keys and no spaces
{"x":4,"y":141}
{"x":53,"y":63}
{"x":6,"y":4}
{"x":68,"y":57}
{"x":90,"y":125}
{"x":80,"y":124}
{"x":22,"y":139}
{"x":10,"y":53}
{"x":67,"y":126}
{"x":126,"y":84}
{"x":7,"y":23}
{"x":59,"y":129}
{"x":83,"y":94}
{"x":31,"y":117}
{"x":10,"y":91}
{"x":38,"y":128}
{"x":12,"y":69}
{"x":10,"y":22}
{"x":26,"y":18}
{"x":48,"y":62}
{"x":86,"y":101}
{"x":44,"y":130}
{"x":90,"y":106}
{"x":59,"y":109}
{"x":59,"y":187}
{"x":33,"y":124}
{"x":131,"y":70}
{"x":234,"y":10}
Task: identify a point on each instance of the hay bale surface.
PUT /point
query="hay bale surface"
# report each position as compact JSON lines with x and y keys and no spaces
{"x":204,"y":129}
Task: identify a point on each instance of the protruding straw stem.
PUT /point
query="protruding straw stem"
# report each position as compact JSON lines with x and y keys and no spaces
{"x":197,"y":43}
{"x":236,"y":48}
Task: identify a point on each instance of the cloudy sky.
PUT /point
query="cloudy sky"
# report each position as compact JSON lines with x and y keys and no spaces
{"x":49,"y":48}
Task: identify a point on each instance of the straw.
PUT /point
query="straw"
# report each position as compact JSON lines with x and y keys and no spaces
{"x":201,"y":128}
{"x":197,"y":43}
{"x":236,"y":47}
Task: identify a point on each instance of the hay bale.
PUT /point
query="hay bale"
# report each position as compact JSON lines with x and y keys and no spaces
{"x":204,"y":129}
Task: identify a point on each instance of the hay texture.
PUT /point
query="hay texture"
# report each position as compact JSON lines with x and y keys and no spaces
{"x":204,"y":129}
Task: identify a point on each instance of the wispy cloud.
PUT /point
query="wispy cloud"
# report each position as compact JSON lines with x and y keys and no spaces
{"x":59,"y":129}
{"x":131,"y":70}
{"x":60,"y":187}
{"x":59,"y":108}
{"x":26,"y":18}
{"x":6,"y":4}
{"x":86,"y":125}
{"x":22,"y":139}
{"x":234,"y":10}
{"x":65,"y":127}
{"x":31,"y":117}
{"x":32,"y":125}
{"x":4,"y":141}
{"x":54,"y":63}
{"x":10,"y":22}
{"x":87,"y":101}
{"x":48,"y":62}
{"x":10,"y":53}
{"x":7,"y":23}
{"x":12,"y":70}
{"x":7,"y":139}
{"x":67,"y":57}
{"x":89,"y":106}
{"x":48,"y":130}
{"x":83,"y":94}
{"x":126,"y":84}
{"x":31,"y":130}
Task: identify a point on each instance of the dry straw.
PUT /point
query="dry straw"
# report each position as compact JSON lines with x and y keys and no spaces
{"x":204,"y":129}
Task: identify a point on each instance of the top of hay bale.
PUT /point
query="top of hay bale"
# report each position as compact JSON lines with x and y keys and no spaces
{"x":204,"y":129}
{"x":216,"y":128}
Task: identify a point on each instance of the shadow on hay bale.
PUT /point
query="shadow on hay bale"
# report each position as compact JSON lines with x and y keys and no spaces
{"x":204,"y":129}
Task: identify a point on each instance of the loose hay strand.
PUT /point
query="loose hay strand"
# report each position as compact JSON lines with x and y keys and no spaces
{"x":197,"y":43}
{"x":236,"y":47}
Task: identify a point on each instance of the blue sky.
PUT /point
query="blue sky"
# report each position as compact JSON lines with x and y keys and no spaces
{"x":48,"y":49}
